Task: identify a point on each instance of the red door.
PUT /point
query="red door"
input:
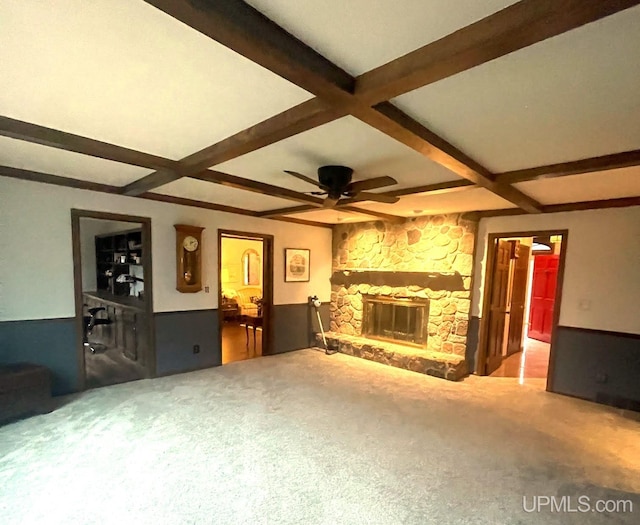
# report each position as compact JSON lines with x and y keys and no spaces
{"x":543,"y":295}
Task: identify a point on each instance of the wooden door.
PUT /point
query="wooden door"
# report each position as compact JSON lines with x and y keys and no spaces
{"x":498,"y":306}
{"x":518,"y":299}
{"x":543,"y":294}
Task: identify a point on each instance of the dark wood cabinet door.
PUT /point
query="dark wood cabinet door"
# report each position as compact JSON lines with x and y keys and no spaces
{"x":130,"y":346}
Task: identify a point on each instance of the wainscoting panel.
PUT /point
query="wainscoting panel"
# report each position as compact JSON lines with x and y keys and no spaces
{"x":176,"y":333}
{"x":473,"y":338}
{"x":294,"y":326}
{"x":46,"y":342}
{"x":599,"y":366}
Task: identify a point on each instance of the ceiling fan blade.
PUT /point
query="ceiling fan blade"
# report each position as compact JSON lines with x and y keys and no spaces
{"x":330,"y":202}
{"x":370,"y":184}
{"x":302,"y":177}
{"x":377,"y":197}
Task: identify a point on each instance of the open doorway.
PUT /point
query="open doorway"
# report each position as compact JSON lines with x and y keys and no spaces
{"x":522,"y":304}
{"x":245,"y":292}
{"x":112,"y":277}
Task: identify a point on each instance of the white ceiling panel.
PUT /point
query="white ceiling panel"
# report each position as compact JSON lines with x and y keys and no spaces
{"x":345,"y":141}
{"x":218,"y":194}
{"x":122,"y":71}
{"x":359,"y":35}
{"x":34,"y":157}
{"x":613,"y":184}
{"x":332,"y":216}
{"x":571,"y":97}
{"x":475,"y":199}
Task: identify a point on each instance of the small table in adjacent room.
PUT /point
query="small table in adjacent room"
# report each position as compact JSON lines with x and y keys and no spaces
{"x":230,"y":311}
{"x":254,"y":321}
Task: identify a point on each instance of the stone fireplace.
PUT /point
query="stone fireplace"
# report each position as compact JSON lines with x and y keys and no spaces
{"x":401,"y":292}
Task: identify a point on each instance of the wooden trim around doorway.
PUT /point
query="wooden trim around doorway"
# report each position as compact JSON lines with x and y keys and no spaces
{"x":267,"y":285}
{"x":145,"y":222}
{"x":488,"y":285}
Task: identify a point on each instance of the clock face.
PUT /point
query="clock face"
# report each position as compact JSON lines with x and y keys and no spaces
{"x":190,"y":243}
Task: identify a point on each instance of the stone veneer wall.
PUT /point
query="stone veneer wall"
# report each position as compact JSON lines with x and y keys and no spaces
{"x":438,"y":243}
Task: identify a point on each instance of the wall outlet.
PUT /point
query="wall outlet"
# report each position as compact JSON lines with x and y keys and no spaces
{"x":601,"y":377}
{"x":196,"y":349}
{"x":585,"y":304}
{"x":206,"y":289}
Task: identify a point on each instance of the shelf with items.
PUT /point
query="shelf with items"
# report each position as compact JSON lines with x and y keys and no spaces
{"x":119,"y":253}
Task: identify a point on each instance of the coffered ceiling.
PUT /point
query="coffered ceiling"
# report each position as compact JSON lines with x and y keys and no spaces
{"x":469,"y":106}
{"x":346,"y":141}
{"x":360,"y":35}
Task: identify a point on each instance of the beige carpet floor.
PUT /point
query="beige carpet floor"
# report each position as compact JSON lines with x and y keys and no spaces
{"x":313,"y":439}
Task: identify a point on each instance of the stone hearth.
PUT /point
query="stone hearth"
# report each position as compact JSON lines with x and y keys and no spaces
{"x":446,"y":366}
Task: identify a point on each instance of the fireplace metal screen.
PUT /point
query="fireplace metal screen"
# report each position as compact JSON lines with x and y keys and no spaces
{"x":401,"y":320}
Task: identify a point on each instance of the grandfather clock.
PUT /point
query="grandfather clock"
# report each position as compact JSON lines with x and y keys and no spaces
{"x":188,"y":258}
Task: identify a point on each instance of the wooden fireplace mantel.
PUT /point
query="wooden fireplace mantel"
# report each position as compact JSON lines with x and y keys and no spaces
{"x":451,"y":281}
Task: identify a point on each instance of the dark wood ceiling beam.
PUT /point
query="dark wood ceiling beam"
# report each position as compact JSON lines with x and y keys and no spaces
{"x":433,"y":189}
{"x":606,"y":162}
{"x":26,"y":131}
{"x":345,"y":208}
{"x":393,"y":122}
{"x":67,"y":182}
{"x":380,"y":215}
{"x":287,"y":211}
{"x":438,"y":188}
{"x":231,"y":181}
{"x":159,"y":197}
{"x":242,"y":28}
{"x":245,"y":30}
{"x":303,"y":222}
{"x":623,"y":202}
{"x":56,"y":180}
{"x":302,"y":117}
{"x":515,"y":27}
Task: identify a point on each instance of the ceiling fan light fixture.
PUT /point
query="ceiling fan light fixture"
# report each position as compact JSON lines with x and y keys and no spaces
{"x":335,"y":181}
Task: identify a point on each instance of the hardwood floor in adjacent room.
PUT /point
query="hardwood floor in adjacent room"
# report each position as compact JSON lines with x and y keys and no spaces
{"x":235,"y":346}
{"x":531,"y":363}
{"x":110,"y":367}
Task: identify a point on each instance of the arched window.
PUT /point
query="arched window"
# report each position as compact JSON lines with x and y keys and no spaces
{"x":250,"y":267}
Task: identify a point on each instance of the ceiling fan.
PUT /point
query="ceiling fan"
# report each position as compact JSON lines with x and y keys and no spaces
{"x":335,"y":183}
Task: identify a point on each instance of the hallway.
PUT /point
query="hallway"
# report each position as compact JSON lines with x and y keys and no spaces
{"x":531,"y":363}
{"x":234,"y":343}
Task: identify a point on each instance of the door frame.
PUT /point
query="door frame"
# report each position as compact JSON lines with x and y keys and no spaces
{"x":267,"y":285}
{"x":147,"y":266}
{"x":488,"y":286}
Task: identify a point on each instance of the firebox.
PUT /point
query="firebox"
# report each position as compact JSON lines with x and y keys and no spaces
{"x":397,"y":319}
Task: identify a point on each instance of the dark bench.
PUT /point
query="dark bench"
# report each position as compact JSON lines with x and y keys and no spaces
{"x":24,"y":389}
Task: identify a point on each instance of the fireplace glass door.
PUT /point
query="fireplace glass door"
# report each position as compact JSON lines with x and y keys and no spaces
{"x":402,"y":320}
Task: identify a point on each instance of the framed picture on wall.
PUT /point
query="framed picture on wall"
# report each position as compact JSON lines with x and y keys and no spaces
{"x":296,"y":265}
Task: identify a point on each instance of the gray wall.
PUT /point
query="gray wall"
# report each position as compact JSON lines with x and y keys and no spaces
{"x":597,"y":365}
{"x":175,"y":335}
{"x":473,"y":338}
{"x":295,"y":324}
{"x":47,"y":342}
{"x":52,"y":343}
